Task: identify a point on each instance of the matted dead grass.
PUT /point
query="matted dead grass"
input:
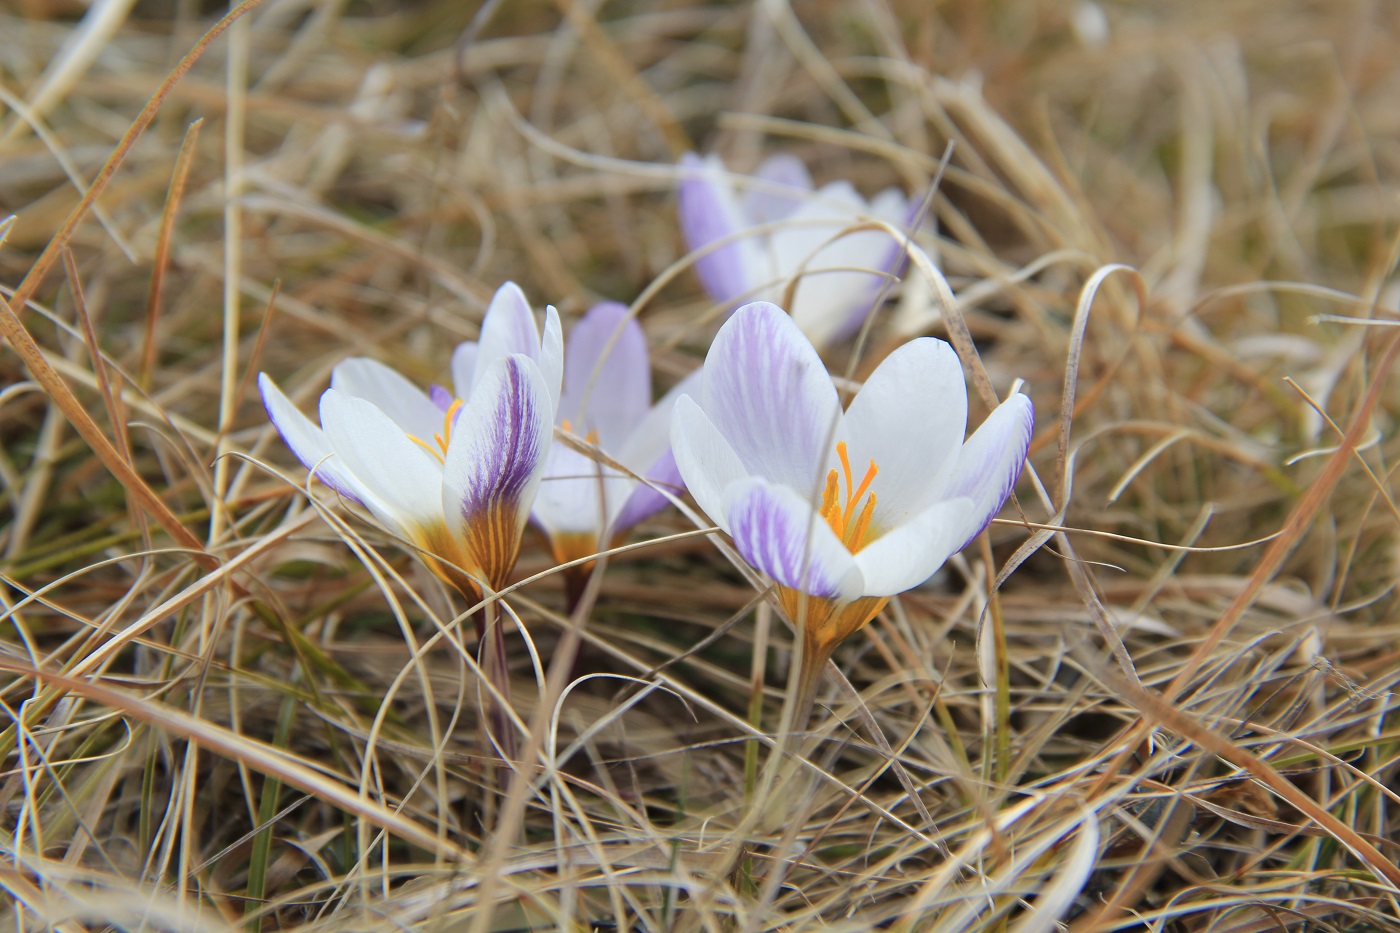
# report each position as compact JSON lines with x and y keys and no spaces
{"x":1158,"y":695}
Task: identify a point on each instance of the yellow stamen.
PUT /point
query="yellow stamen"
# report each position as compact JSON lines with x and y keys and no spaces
{"x":445,"y":437}
{"x":428,"y":447}
{"x":857,"y":534}
{"x":852,"y":534}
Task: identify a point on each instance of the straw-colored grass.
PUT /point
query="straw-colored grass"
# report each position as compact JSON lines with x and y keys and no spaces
{"x":1158,"y":695}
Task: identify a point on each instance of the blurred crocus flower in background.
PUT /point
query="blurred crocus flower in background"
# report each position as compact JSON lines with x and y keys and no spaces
{"x":453,"y":472}
{"x":841,"y":509}
{"x":584,"y":505}
{"x":800,"y":237}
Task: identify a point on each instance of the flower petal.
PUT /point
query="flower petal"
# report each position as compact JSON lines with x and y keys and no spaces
{"x":913,"y":552}
{"x":407,"y":405}
{"x":551,"y":355}
{"x":404,"y":479}
{"x":765,"y":201}
{"x":991,"y":460}
{"x":709,"y":211}
{"x":607,"y":376}
{"x":494,"y":462}
{"x":647,"y":453}
{"x":910,"y":418}
{"x":769,"y":394}
{"x":575,"y":493}
{"x":508,"y":327}
{"x":464,"y":368}
{"x":305,"y":440}
{"x":645,"y":501}
{"x":777,"y":531}
{"x":704,"y":458}
{"x":832,"y":292}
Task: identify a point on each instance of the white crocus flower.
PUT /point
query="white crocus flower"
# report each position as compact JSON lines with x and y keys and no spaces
{"x":800,"y":241}
{"x":585,"y":506}
{"x":841,"y":509}
{"x":453,"y":473}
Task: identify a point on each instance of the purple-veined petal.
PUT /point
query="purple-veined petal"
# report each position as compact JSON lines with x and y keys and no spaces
{"x":464,"y":368}
{"x":495,"y":458}
{"x":607,"y":376}
{"x":404,"y":480}
{"x":767,"y":391}
{"x":766,"y":201}
{"x":407,"y":405}
{"x":989,"y":463}
{"x":704,"y":458}
{"x":508,"y":327}
{"x":709,"y":211}
{"x":910,"y":418}
{"x":913,"y":552}
{"x":305,"y":440}
{"x":777,"y":531}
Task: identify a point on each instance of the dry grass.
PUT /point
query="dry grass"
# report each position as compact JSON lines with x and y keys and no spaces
{"x":1159,"y":695}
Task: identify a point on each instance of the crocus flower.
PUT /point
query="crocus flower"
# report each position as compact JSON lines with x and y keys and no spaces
{"x":454,"y":473}
{"x":584,"y":506}
{"x":800,"y":237}
{"x":841,"y":509}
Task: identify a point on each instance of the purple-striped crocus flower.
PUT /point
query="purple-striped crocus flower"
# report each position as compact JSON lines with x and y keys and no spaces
{"x":584,"y":505}
{"x":454,"y":473}
{"x":842,"y":510}
{"x":778,"y":230}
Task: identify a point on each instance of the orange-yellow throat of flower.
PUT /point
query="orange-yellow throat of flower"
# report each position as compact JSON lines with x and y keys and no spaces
{"x":444,"y":438}
{"x":849,"y":520}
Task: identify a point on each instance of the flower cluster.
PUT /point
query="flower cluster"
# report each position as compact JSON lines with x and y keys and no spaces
{"x":841,"y":509}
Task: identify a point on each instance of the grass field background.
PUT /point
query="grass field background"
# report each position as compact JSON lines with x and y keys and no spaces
{"x":1158,"y":694}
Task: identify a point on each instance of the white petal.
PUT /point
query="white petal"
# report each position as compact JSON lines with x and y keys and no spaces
{"x":508,"y":327}
{"x":709,"y":211}
{"x":645,"y":500}
{"x":647,"y":453}
{"x":551,"y":355}
{"x":767,"y":391}
{"x":989,"y":463}
{"x":576,"y":493}
{"x":778,"y":532}
{"x":407,"y":405}
{"x":832,"y":295}
{"x":651,"y":436}
{"x":306,"y":440}
{"x":911,"y":553}
{"x":405,"y":480}
{"x":495,"y":460}
{"x":464,"y":368}
{"x":706,"y":461}
{"x":607,"y":376}
{"x":910,"y":418}
{"x":765,"y":201}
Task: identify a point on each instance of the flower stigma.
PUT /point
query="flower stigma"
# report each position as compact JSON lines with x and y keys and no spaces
{"x":839,"y":516}
{"x":443,"y":438}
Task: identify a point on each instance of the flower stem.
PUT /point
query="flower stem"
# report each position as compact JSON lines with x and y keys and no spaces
{"x":493,"y":662}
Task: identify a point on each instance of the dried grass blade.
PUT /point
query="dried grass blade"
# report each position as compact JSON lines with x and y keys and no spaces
{"x":161,"y":260}
{"x":253,"y":754}
{"x":54,"y":386}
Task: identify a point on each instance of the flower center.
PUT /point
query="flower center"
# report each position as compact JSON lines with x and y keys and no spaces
{"x":449,"y":418}
{"x":847,"y":518}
